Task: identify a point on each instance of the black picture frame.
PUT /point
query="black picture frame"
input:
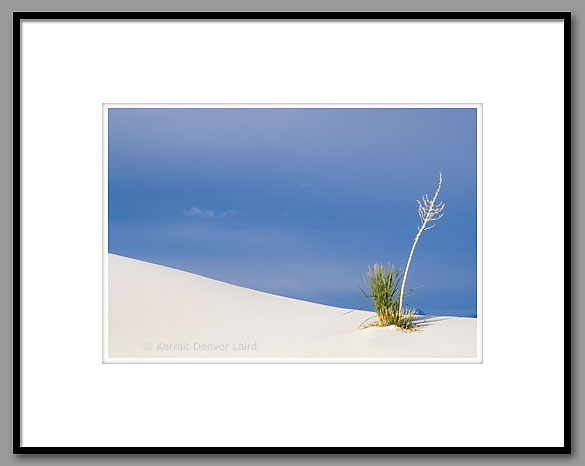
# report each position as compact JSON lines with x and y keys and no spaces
{"x":18,"y":17}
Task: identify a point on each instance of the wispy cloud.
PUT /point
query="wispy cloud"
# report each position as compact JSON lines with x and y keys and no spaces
{"x":209,"y":213}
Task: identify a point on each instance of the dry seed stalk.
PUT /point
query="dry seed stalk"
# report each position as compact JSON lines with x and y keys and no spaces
{"x":428,"y":212}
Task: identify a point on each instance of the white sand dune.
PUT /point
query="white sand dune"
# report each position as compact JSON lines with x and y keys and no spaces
{"x":159,"y":312}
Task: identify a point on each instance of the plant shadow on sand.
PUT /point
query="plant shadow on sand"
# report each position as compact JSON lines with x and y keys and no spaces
{"x":423,"y":321}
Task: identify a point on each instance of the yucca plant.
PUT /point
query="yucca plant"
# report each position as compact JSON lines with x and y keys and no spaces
{"x":382,"y":285}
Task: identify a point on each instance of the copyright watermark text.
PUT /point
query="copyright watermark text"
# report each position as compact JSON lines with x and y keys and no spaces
{"x":196,"y":346}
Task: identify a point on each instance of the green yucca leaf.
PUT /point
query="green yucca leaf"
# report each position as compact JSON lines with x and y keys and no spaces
{"x":382,"y":292}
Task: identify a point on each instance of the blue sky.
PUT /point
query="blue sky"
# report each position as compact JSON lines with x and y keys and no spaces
{"x":298,"y":202}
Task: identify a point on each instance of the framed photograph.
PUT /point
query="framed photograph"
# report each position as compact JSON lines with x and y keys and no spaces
{"x":256,"y":219}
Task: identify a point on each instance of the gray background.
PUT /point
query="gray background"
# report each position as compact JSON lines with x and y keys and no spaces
{"x":577,"y":7}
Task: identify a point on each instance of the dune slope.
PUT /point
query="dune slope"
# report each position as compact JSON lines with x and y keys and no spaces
{"x":159,"y":312}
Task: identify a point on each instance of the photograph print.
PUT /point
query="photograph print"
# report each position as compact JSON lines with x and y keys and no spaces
{"x":276,"y":233}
